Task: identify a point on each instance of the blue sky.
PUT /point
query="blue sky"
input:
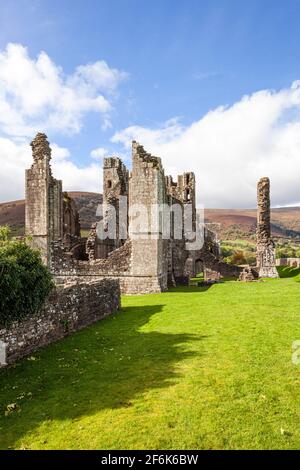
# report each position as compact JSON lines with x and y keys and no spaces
{"x":182,"y":59}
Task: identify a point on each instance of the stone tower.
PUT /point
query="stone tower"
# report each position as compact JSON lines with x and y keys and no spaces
{"x":266,"y":260}
{"x":44,"y":201}
{"x":147,"y":194}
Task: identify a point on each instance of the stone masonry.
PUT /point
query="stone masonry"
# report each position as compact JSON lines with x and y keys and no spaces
{"x":138,"y":255}
{"x":266,"y":259}
{"x":49,"y":213}
{"x":68,"y":309}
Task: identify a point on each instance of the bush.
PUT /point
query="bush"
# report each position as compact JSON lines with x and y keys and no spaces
{"x":25,"y":281}
{"x":238,"y":258}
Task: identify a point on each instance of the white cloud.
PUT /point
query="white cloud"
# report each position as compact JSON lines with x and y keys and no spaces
{"x":59,"y":153}
{"x":74,"y":178}
{"x":16,"y":157}
{"x":98,"y":153}
{"x":37,"y":94}
{"x":230,"y":148}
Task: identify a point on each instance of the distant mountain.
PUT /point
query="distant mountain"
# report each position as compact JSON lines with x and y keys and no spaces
{"x":238,"y":223}
{"x":233,"y":223}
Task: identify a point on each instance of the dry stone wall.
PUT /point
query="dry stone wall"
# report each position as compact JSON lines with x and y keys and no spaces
{"x":68,"y":309}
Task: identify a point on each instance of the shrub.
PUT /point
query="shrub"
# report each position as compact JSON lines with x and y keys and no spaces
{"x":238,"y":258}
{"x":25,"y":281}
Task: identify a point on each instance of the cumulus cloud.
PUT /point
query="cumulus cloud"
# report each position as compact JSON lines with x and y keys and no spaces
{"x":98,"y":153}
{"x":231,"y":147}
{"x":37,"y":94}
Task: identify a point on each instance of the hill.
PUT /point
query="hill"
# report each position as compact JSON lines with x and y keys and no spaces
{"x":233,"y":223}
{"x":241,"y":223}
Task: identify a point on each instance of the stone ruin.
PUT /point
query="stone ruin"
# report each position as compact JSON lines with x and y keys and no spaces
{"x":247,"y":275}
{"x":91,"y":273}
{"x":140,"y":264}
{"x":266,"y":258}
{"x":50,"y":214}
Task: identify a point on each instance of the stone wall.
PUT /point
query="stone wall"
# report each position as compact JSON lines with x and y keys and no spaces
{"x":50,"y":214}
{"x":68,"y":309}
{"x":147,"y":191}
{"x":291,"y":262}
{"x":37,"y":187}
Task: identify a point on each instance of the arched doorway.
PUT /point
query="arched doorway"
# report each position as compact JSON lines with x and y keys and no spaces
{"x":199,"y":268}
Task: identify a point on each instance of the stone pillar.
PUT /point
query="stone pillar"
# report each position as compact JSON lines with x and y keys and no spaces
{"x":266,"y":259}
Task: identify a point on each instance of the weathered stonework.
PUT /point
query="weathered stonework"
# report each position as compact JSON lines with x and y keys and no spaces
{"x":266,"y":258}
{"x":68,"y":309}
{"x":291,"y":262}
{"x":247,"y":275}
{"x":211,"y":276}
{"x":49,"y":213}
{"x":138,"y":255}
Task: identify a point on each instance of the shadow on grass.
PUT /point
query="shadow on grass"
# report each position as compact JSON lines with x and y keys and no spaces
{"x":106,"y":366}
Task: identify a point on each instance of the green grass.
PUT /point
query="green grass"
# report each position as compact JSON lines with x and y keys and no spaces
{"x":199,"y":368}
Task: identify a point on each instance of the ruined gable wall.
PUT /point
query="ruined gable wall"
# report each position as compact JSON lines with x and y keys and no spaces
{"x":115,"y":184}
{"x":55,"y":209}
{"x":43,"y":199}
{"x":50,"y":214}
{"x":70,"y":222}
{"x":182,"y":192}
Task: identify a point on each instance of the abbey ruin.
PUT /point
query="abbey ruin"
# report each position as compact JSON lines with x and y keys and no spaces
{"x":137,"y":207}
{"x":137,"y":255}
{"x":147,"y":237}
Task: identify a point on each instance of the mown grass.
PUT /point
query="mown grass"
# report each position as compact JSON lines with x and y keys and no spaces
{"x":194,"y":368}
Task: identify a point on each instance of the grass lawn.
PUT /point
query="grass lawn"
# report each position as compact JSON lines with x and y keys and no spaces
{"x":194,"y":368}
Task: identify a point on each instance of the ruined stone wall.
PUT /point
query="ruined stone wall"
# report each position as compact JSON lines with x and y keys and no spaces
{"x":147,"y":190}
{"x":291,"y":262}
{"x":55,"y":209}
{"x":50,"y":214}
{"x":147,"y":261}
{"x":42,"y":198}
{"x":115,"y":186}
{"x":266,"y":259}
{"x":70,"y":221}
{"x":183,"y":192}
{"x":68,"y":309}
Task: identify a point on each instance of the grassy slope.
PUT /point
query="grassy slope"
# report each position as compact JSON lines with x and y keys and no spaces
{"x":193,"y":368}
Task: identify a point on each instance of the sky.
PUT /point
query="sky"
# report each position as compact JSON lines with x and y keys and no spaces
{"x":210,"y":86}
